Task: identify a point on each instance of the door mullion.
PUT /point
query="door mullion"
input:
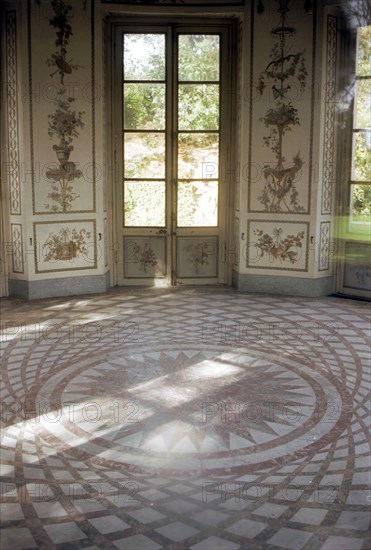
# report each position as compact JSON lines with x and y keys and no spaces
{"x":118,"y":156}
{"x":168,"y":175}
{"x":174,"y":151}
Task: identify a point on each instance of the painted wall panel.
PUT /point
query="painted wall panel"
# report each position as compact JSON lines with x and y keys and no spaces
{"x":63,"y":109}
{"x":281,"y":111}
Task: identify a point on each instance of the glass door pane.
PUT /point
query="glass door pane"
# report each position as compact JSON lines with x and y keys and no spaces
{"x":144,"y":128}
{"x":144,"y":203}
{"x":144,"y":106}
{"x":198,"y":123}
{"x":144,"y":56}
{"x":199,"y":57}
{"x":198,"y":203}
{"x":354,"y":225}
{"x":360,"y":199}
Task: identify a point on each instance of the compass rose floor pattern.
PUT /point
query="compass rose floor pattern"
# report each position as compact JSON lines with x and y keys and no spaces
{"x":199,"y":419}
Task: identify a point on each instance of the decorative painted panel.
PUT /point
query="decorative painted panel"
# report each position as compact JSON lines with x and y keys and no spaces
{"x":66,"y":246}
{"x":197,"y":257}
{"x":329,"y":174}
{"x":239,"y":116}
{"x":357,"y":266}
{"x":105,"y":240}
{"x":236,"y":260}
{"x":11,"y":90}
{"x":144,"y":258}
{"x":62,"y":73}
{"x":176,"y":2}
{"x":277,"y":245}
{"x":282,"y":94}
{"x":324,"y":246}
{"x":17,"y":248}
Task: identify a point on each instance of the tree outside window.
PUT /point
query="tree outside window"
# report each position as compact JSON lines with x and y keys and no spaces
{"x":360,"y":218}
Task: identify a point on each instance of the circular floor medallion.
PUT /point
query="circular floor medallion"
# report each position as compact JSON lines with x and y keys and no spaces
{"x":189,"y":408}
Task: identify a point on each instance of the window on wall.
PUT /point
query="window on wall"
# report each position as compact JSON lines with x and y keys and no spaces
{"x":360,"y":199}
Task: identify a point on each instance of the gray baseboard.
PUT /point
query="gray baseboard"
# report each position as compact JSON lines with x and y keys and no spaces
{"x":66,"y":286}
{"x":288,"y":286}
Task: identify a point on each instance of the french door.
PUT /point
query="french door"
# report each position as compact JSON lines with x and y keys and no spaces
{"x":172,"y":138}
{"x":354,"y":223}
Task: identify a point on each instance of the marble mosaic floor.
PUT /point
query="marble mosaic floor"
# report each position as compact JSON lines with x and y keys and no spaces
{"x":199,"y":419}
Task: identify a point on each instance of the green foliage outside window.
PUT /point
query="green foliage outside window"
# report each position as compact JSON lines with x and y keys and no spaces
{"x":361,"y":194}
{"x":145,"y":109}
{"x":361,"y":202}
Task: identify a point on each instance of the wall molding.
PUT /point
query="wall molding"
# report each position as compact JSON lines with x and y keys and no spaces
{"x":17,"y":247}
{"x":329,"y":168}
{"x":11,"y":97}
{"x":324,"y":246}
